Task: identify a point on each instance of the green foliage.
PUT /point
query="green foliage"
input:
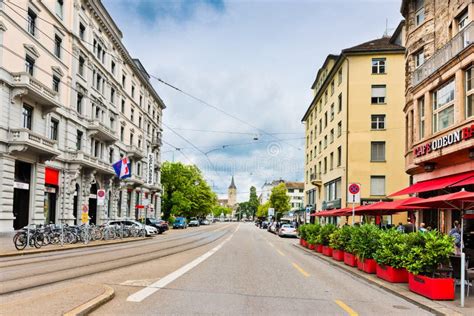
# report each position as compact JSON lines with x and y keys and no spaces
{"x":253,"y":202}
{"x":392,"y":247}
{"x":279,"y":200}
{"x":365,"y":241}
{"x":185,"y":192}
{"x":217,"y":210}
{"x":303,"y":231}
{"x":340,"y":238}
{"x":325,"y":234}
{"x":262,"y":210}
{"x":426,"y":251}
{"x":171,"y":220}
{"x":312,"y":232}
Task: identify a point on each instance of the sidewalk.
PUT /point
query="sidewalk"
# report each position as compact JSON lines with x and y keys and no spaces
{"x":401,"y":290}
{"x":7,"y":248}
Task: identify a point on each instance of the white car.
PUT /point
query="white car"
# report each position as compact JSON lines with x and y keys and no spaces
{"x":150,"y":230}
{"x":287,"y":230}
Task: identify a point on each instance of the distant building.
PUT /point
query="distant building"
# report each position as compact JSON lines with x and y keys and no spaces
{"x":294,"y":189}
{"x":232,"y":194}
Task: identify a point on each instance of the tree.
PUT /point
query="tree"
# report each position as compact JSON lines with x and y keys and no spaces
{"x":253,"y":201}
{"x":185,"y":192}
{"x":244,"y":208}
{"x":217,"y":210}
{"x":262,"y":210}
{"x":279,"y":200}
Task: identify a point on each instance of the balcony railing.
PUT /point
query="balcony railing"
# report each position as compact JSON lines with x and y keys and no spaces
{"x":456,"y":45}
{"x":23,"y":139}
{"x":315,"y":178}
{"x":135,"y":152}
{"x":91,"y":162}
{"x":101,"y":131}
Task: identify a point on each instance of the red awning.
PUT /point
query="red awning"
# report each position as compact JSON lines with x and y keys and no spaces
{"x":439,"y":183}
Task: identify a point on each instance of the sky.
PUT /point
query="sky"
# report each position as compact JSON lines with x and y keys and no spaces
{"x":249,"y":66}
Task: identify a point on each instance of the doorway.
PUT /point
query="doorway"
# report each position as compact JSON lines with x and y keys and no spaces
{"x":76,"y":203}
{"x":50,"y":205}
{"x":21,"y":194}
{"x":93,"y":204}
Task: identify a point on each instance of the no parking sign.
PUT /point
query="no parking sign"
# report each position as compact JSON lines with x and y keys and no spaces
{"x":353,"y":193}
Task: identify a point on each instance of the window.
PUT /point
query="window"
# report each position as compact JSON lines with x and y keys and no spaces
{"x":463,"y":20}
{"x":31,"y":22}
{"x":419,"y":58}
{"x":378,"y":65}
{"x":122,"y":108}
{"x":339,"y":129}
{"x":325,"y":164}
{"x":122,"y":133}
{"x":141,"y":100}
{"x":339,"y":156}
{"x":111,"y":155}
{"x":54,"y":129}
{"x":320,"y":126}
{"x":470,"y":92}
{"x":112,"y":123}
{"x":332,"y":112}
{"x":311,"y":155}
{"x":325,"y":119}
{"x":98,"y":80}
{"x":133,"y":91}
{"x":131,"y":138}
{"x":332,"y":87}
{"x":339,"y":103}
{"x":311,"y":137}
{"x":59,"y":8}
{"x":331,"y":136}
{"x":131,"y":114}
{"x":82,"y":31}
{"x":443,"y":107}
{"x":56,"y":82}
{"x":112,"y":95}
{"x":378,"y":94}
{"x":377,"y":185}
{"x":325,"y":141}
{"x":378,"y":121}
{"x":320,"y":146}
{"x":81,"y":65}
{"x":140,"y":123}
{"x":377,"y":151}
{"x":79,"y":103}
{"x":339,"y":76}
{"x":27,"y":116}
{"x":112,"y":67}
{"x":57,"y":46}
{"x":419,"y":12}
{"x":331,"y":161}
{"x":124,"y":80}
{"x":332,"y":190}
{"x":29,"y":65}
{"x":139,"y":143}
{"x":79,"y":140}
{"x":326,"y":97}
{"x":421,"y":118}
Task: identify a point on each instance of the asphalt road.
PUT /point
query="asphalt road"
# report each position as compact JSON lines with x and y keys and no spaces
{"x":230,"y":269}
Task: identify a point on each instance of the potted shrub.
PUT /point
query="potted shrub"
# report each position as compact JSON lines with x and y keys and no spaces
{"x":389,"y":256}
{"x":424,"y":254}
{"x":338,"y":241}
{"x":350,"y":258}
{"x":313,"y":235}
{"x":365,"y":241}
{"x":302,"y":231}
{"x":325,"y":234}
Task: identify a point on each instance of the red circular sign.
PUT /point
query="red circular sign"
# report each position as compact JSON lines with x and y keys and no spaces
{"x":354,"y":188}
{"x":101,"y":193}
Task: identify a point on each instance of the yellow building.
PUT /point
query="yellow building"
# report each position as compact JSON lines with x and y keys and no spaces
{"x":355,"y":125}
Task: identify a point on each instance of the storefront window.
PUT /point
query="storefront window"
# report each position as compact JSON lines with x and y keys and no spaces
{"x":421,"y":118}
{"x":443,"y":107}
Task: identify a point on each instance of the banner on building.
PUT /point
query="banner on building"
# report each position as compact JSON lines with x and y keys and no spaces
{"x":150,"y":172}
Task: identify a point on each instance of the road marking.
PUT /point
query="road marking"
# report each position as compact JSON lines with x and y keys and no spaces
{"x":349,"y":310}
{"x":281,"y":253}
{"x":149,"y":290}
{"x":271,"y":244}
{"x":303,"y":272}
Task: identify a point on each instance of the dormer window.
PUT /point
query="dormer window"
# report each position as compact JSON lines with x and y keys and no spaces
{"x":419,"y":12}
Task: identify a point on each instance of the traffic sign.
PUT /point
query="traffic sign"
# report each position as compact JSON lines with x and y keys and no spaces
{"x":100,"y":197}
{"x":85,"y":208}
{"x":271,"y":211}
{"x":85,"y":218}
{"x":353,"y":193}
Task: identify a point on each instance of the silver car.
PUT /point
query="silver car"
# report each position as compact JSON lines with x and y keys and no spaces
{"x":287,"y":230}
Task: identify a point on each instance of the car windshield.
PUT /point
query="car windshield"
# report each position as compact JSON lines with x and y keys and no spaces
{"x":287,"y":226}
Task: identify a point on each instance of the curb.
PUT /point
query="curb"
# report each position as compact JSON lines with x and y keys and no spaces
{"x":438,"y":310}
{"x":86,"y":308}
{"x":37,"y":251}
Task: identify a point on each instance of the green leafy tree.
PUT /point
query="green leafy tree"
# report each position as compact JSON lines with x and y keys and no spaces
{"x":244,"y":208}
{"x":218,"y":210}
{"x":279,"y":200}
{"x":185,"y":192}
{"x":253,"y":201}
{"x":262,"y":210}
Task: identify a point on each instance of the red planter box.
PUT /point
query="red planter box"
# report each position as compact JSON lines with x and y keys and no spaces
{"x":367,"y":265}
{"x":350,"y":259}
{"x":435,"y":289}
{"x":319,"y":248}
{"x":338,"y":255}
{"x":304,"y":243}
{"x":327,"y":251}
{"x":301,"y":241}
{"x":312,"y":247}
{"x":392,"y":275}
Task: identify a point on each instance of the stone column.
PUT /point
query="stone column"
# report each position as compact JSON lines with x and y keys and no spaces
{"x":123,"y":206}
{"x":132,"y":204}
{"x":68,"y":188}
{"x":37,"y":191}
{"x":88,"y":178}
{"x":7,"y":170}
{"x":460,"y":97}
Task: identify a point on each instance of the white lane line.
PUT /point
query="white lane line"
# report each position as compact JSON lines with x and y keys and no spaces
{"x":149,"y":290}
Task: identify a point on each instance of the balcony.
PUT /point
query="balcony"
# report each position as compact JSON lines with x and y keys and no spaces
{"x":135,"y":152}
{"x":24,"y":140}
{"x":101,"y":131}
{"x":158,"y":165}
{"x":456,"y":45}
{"x":44,"y":96}
{"x":90,"y":162}
{"x":135,"y":180}
{"x":156,"y":187}
{"x":315,"y":179}
{"x":156,"y":142}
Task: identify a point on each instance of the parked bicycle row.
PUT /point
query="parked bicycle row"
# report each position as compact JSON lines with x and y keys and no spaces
{"x":42,"y":235}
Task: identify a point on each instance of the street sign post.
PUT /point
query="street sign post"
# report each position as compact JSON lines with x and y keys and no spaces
{"x":353,"y":196}
{"x":271,"y":212}
{"x":85,"y":214}
{"x":101,"y":197}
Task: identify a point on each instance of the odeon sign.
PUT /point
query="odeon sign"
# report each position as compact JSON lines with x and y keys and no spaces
{"x":444,"y":141}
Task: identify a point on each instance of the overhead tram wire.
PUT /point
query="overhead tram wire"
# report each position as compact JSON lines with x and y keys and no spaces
{"x":180,"y":150}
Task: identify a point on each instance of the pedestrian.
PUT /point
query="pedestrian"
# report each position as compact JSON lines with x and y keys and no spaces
{"x":456,"y":233}
{"x":401,"y":228}
{"x":409,"y":227}
{"x":422,"y":228}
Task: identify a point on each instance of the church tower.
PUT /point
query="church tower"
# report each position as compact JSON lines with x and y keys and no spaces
{"x":232,"y":194}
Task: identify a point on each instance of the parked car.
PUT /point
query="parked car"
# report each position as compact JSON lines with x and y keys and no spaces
{"x":287,"y":230}
{"x":162,"y":226}
{"x":150,"y":230}
{"x":273,"y":228}
{"x":194,"y":223}
{"x":180,"y":222}
{"x":264,"y":225}
{"x":204,"y":222}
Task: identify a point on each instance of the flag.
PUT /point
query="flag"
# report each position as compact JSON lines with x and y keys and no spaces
{"x":122,"y":168}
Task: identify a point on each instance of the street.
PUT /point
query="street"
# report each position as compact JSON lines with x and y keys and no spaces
{"x":235,"y":269}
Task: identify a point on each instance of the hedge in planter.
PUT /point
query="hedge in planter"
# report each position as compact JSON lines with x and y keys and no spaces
{"x":312,"y":232}
{"x":365,"y":241}
{"x":424,"y":254}
{"x":325,"y":234}
{"x":303,"y":232}
{"x":389,"y":256}
{"x":338,"y":241}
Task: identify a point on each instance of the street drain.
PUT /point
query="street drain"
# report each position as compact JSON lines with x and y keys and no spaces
{"x":400,"y":307}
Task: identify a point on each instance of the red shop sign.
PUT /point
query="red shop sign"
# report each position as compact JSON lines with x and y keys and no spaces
{"x":51,"y":176}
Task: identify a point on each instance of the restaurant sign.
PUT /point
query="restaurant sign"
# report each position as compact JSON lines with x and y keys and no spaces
{"x":444,"y":141}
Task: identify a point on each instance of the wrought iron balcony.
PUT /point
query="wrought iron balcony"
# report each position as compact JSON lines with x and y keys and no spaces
{"x":101,"y":131}
{"x":90,"y":162}
{"x":22,"y":140}
{"x":456,"y":45}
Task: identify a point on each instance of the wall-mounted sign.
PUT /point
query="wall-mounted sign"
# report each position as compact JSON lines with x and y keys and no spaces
{"x":444,"y":141}
{"x":21,"y":185}
{"x":150,"y":171}
{"x":100,"y":197}
{"x":49,"y":189}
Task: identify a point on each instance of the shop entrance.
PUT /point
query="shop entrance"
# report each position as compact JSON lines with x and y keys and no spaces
{"x":93,"y":204}
{"x":21,"y":194}
{"x":76,"y":203}
{"x":49,"y":205}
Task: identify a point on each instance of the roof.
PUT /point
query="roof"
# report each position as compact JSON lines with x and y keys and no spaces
{"x":397,"y":31}
{"x":232,"y":184}
{"x":326,"y":62}
{"x":294,"y":185}
{"x":376,"y":45}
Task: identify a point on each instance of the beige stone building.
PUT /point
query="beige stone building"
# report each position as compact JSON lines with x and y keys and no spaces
{"x":72,"y":102}
{"x":439,"y":105}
